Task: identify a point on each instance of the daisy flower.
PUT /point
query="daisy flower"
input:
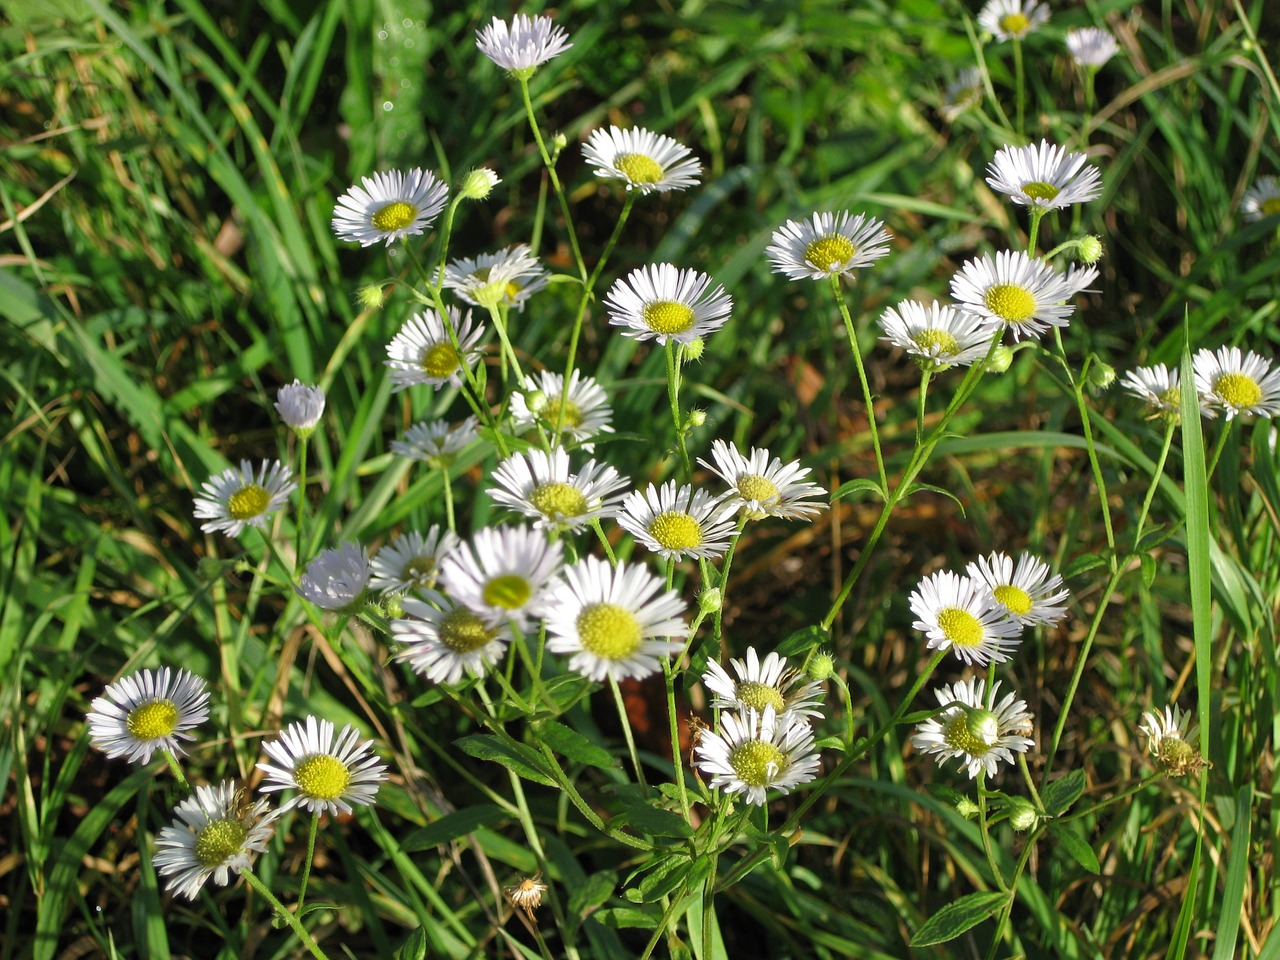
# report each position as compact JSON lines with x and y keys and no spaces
{"x":1044,"y":176}
{"x":1159,"y":387}
{"x":586,"y":410}
{"x":336,"y":579}
{"x":147,"y":711}
{"x":1012,"y":19}
{"x":676,"y":522}
{"x":423,"y":351}
{"x":330,"y":773}
{"x":1091,"y":47}
{"x":411,"y":562}
{"x":963,"y":93}
{"x":607,"y":619}
{"x":444,"y":641}
{"x":389,"y":206}
{"x":827,"y":245}
{"x":960,"y":613}
{"x":541,"y":486}
{"x":436,"y":442}
{"x":523,"y":45}
{"x":755,"y":750}
{"x":1235,"y":382}
{"x":762,"y":486}
{"x":1171,"y":738}
{"x":510,"y":277}
{"x":502,"y":574}
{"x":980,"y":738}
{"x":763,"y":684}
{"x":643,"y":160}
{"x":660,"y":302}
{"x":1262,"y":199}
{"x":216,"y":833}
{"x":1029,"y":592}
{"x":238,"y":498}
{"x":300,"y":406}
{"x":938,"y":336}
{"x":1024,"y":294}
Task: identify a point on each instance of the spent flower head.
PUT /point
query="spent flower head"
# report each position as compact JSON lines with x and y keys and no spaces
{"x":336,"y":579}
{"x":216,"y":833}
{"x":388,"y":206}
{"x":147,"y":711}
{"x":643,"y":160}
{"x":980,"y":737}
{"x":238,"y":497}
{"x":522,"y":45}
{"x":962,"y":94}
{"x":300,"y":406}
{"x":1172,"y":739}
{"x":330,"y":773}
{"x":827,"y":245}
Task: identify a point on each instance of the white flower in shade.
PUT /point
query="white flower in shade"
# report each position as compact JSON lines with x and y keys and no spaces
{"x":761,"y":485}
{"x":445,"y":640}
{"x":147,"y":711}
{"x":761,"y":684}
{"x":336,"y":579}
{"x":1159,"y":387}
{"x":755,"y":751}
{"x":1171,"y":738}
{"x":1026,"y":295}
{"x":238,"y":498}
{"x":389,"y":206}
{"x":538,"y":402}
{"x":1091,"y":47}
{"x":938,"y":336}
{"x":542,"y":486}
{"x":510,"y":276}
{"x":826,"y":245}
{"x":502,"y":574}
{"x":523,"y":45}
{"x":216,"y":834}
{"x":963,"y":93}
{"x":423,"y":351}
{"x":980,"y":738}
{"x":436,"y":442}
{"x":1231,"y":382}
{"x":300,"y":406}
{"x":1262,"y":199}
{"x":608,"y":620}
{"x":643,"y":160}
{"x":677,"y":522}
{"x":1012,"y":19}
{"x":960,"y":613}
{"x":1029,"y":591}
{"x":411,"y":562}
{"x":330,"y":773}
{"x":1044,"y":176}
{"x":660,"y":302}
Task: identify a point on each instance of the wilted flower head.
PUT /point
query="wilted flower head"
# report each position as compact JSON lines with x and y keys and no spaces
{"x":1171,"y":739}
{"x":336,"y":579}
{"x":300,"y":406}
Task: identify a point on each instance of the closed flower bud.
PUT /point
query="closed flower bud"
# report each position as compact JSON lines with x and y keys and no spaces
{"x":371,"y":296}
{"x":1022,"y":815}
{"x":1000,"y":360}
{"x":709,"y":601}
{"x":477,"y":184}
{"x":1090,"y":249}
{"x":967,"y":808}
{"x":1101,"y":376}
{"x":820,"y":666}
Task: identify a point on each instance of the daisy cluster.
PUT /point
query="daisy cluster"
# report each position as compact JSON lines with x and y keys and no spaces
{"x":1228,"y":381}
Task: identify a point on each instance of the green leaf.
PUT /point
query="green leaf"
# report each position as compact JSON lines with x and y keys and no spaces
{"x":516,"y":757}
{"x":1148,"y":569}
{"x":592,"y":892}
{"x":414,"y":946}
{"x":1082,"y":564}
{"x":854,"y":486}
{"x":917,"y":487}
{"x":576,"y":747}
{"x":1059,"y":795}
{"x":802,"y":641}
{"x":1238,"y":868}
{"x":957,"y":917}
{"x":671,"y":873}
{"x":623,"y":917}
{"x":451,"y":826}
{"x":1080,"y":851}
{"x":655,"y":822}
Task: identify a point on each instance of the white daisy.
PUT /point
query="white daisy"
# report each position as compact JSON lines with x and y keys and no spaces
{"x":1012,"y":19}
{"x":763,"y":684}
{"x":761,"y":486}
{"x":411,"y":562}
{"x":1233,"y":382}
{"x":1029,"y":593}
{"x":423,"y":351}
{"x":1024,"y":294}
{"x":1044,"y":176}
{"x":238,"y":498}
{"x":336,"y":579}
{"x":502,"y":574}
{"x":660,"y":302}
{"x":963,"y":93}
{"x":754,"y":751}
{"x":829,"y":244}
{"x":586,"y":410}
{"x":643,"y":160}
{"x":147,"y":711}
{"x":330,"y":773}
{"x":939,"y":336}
{"x":1262,"y":199}
{"x":1171,"y":738}
{"x":523,"y":45}
{"x":300,"y":406}
{"x":1091,"y":47}
{"x":960,"y":613}
{"x":388,"y":206}
{"x":608,"y":620}
{"x":443,"y":641}
{"x":542,"y":486}
{"x":216,"y":833}
{"x":980,"y":738}
{"x":1159,"y":387}
{"x":510,"y":276}
{"x":437,"y":442}
{"x":677,"y":522}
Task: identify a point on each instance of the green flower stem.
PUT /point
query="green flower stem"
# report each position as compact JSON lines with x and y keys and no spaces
{"x":862,"y":378}
{"x":176,"y":770}
{"x":723,"y":583}
{"x":1227,"y":429}
{"x":626,"y":732}
{"x":673,"y":395}
{"x":668,"y":914}
{"x":925,"y":376}
{"x":1021,"y":83}
{"x":1007,"y":907}
{"x":553,"y":177}
{"x":1031,"y":786}
{"x":288,"y":917}
{"x":508,"y":352}
{"x":1141,"y":785}
{"x":302,"y":498}
{"x":306,"y":865}
{"x":448,"y":498}
{"x":444,"y":233}
{"x":709,"y":908}
{"x":1155,"y":483}
{"x":1033,"y":231}
{"x":604,"y":541}
{"x":673,"y":716}
{"x":584,"y":808}
{"x":984,"y":832}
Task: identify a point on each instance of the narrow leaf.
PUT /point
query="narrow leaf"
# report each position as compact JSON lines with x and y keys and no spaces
{"x":1080,"y":851}
{"x":957,"y":917}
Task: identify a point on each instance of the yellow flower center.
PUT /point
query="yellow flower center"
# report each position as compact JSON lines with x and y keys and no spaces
{"x":758,"y":695}
{"x":1176,"y":756}
{"x":638,"y":168}
{"x":1014,"y":24}
{"x":249,"y":501}
{"x":757,"y":762}
{"x":830,"y":251}
{"x":608,"y":631}
{"x":557,"y":500}
{"x":960,"y":627}
{"x":667,"y":316}
{"x":152,"y":720}
{"x":1040,"y":191}
{"x":675,"y":530}
{"x":973,"y":731}
{"x":1171,"y":398}
{"x":464,"y":632}
{"x":549,"y":410}
{"x":509,"y":591}
{"x":1238,"y":390}
{"x":1270,"y":206}
{"x":219,"y":841}
{"x":1015,"y":599}
{"x":394,"y":216}
{"x":421,"y":570}
{"x":938,"y":343}
{"x":322,"y":777}
{"x":1010,"y":303}
{"x":752,"y":486}
{"x":440,"y":360}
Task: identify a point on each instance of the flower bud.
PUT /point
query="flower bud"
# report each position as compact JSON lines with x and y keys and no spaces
{"x":709,"y":601}
{"x":477,"y":184}
{"x":1022,"y":815}
{"x":820,"y":666}
{"x":371,"y":296}
{"x":693,"y":349}
{"x":1090,"y":249}
{"x":967,"y":808}
{"x":1101,"y":376}
{"x":1000,"y":360}
{"x":696,"y":418}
